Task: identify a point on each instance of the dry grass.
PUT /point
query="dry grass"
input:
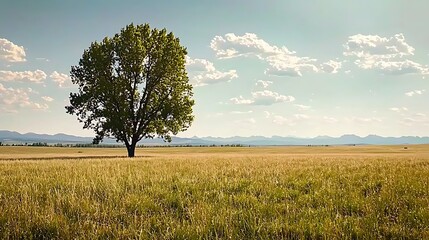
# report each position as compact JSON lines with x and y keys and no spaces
{"x":204,"y":193}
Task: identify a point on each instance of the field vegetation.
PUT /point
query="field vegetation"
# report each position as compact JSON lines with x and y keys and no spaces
{"x":361,"y":192}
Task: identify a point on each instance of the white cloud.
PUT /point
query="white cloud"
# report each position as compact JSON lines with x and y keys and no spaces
{"x":30,"y":90}
{"x":241,"y":100}
{"x":47,"y":98}
{"x":373,"y":45}
{"x":32,"y":76}
{"x":394,"y":67}
{"x":289,"y":65}
{"x":419,"y":92}
{"x":331,"y":66}
{"x":302,"y":107}
{"x":281,"y":60}
{"x":383,"y":54}
{"x":263,"y":83}
{"x":11,"y":52}
{"x":202,"y":72}
{"x":13,"y":99}
{"x":61,"y":79}
{"x":199,"y":65}
{"x":300,"y":116}
{"x":415,"y":92}
{"x":398,"y":109}
{"x":249,"y":44}
{"x":40,"y":106}
{"x":265,"y":97}
{"x":410,"y":94}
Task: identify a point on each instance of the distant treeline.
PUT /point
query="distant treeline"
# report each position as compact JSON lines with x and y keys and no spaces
{"x":89,"y":145}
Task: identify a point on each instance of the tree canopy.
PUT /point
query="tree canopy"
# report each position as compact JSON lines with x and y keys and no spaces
{"x":133,"y":86}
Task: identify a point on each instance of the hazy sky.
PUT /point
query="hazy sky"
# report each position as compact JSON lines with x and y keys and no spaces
{"x":289,"y":68}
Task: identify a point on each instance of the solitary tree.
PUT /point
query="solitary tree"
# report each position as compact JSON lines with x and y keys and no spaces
{"x":133,"y":86}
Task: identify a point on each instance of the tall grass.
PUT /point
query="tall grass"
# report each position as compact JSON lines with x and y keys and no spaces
{"x":239,"y":196}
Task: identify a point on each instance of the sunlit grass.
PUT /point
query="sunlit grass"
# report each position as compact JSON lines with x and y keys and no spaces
{"x":205,"y":193}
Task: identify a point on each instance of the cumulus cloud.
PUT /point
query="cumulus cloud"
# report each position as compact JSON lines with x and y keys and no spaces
{"x":249,"y":44}
{"x":13,"y":99}
{"x":386,"y":55}
{"x":61,"y":79}
{"x":199,"y":65}
{"x":11,"y":52}
{"x":282,"y":61}
{"x":373,"y":45}
{"x":32,"y":76}
{"x":331,"y":66}
{"x":292,"y":66}
{"x":395,"y":67}
{"x":265,"y":97}
{"x":241,"y":101}
{"x":202,"y":72}
{"x":262,"y":83}
{"x":415,"y":92}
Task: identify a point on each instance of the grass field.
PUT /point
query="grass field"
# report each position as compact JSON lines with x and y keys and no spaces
{"x":362,"y":192}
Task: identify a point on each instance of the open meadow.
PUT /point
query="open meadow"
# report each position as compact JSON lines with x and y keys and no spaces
{"x":335,"y":192}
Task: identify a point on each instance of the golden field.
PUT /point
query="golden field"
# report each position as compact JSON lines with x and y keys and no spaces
{"x":335,"y":192}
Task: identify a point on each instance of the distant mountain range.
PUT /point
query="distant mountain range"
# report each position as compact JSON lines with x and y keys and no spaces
{"x":15,"y":137}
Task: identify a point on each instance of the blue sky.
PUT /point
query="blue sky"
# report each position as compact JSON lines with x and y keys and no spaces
{"x":289,"y":68}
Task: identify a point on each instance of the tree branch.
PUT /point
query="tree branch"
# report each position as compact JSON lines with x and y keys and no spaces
{"x":152,"y":114}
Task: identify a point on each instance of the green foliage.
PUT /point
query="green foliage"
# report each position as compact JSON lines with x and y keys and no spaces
{"x":133,"y":86}
{"x":39,"y":144}
{"x":223,"y":193}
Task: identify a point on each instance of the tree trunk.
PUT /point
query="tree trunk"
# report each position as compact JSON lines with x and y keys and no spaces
{"x":131,"y":150}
